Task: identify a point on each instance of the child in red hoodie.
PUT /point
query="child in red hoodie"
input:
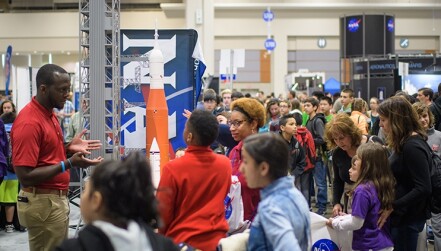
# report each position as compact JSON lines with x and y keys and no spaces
{"x":307,"y":142}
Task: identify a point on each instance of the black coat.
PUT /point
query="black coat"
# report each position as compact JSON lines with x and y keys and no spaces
{"x":413,"y":187}
{"x":91,"y":238}
{"x":297,"y":157}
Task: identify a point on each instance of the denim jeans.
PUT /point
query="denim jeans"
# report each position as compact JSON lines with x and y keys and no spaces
{"x":405,"y":237}
{"x":320,"y":182}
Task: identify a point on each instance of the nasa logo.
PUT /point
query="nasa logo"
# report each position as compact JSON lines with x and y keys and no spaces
{"x":228,"y":207}
{"x":354,"y":24}
{"x":390,"y":25}
{"x":324,"y":245}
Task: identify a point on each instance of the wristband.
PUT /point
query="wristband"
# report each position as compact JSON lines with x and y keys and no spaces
{"x":62,"y":166}
{"x":70,"y":163}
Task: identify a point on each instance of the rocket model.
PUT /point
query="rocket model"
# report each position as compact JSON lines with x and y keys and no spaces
{"x":157,"y":143}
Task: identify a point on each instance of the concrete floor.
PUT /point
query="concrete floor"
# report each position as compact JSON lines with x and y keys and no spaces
{"x":18,"y":241}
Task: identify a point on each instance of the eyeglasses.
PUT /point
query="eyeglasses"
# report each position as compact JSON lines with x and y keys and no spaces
{"x":236,"y":123}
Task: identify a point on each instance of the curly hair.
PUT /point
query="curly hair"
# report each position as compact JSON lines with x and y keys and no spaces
{"x":251,"y":108}
{"x":204,"y":126}
{"x":127,"y":189}
{"x":403,"y":121}
{"x":341,"y":123}
{"x":421,"y":108}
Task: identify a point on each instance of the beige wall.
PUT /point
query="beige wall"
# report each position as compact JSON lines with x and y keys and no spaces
{"x":293,"y":29}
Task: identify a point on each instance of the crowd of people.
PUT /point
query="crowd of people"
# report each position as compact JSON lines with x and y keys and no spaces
{"x":275,"y":159}
{"x":375,"y":158}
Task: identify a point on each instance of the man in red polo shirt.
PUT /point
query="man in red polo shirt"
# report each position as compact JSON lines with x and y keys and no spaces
{"x":39,"y":159}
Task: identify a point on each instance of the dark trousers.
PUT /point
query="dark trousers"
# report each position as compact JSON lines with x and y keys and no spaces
{"x":405,"y":238}
{"x":302,"y":183}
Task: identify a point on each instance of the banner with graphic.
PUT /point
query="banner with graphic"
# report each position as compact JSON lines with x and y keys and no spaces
{"x":8,"y":69}
{"x":183,"y":69}
{"x":326,"y":238}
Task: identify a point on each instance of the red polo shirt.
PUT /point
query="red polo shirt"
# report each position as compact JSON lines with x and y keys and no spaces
{"x":37,"y":141}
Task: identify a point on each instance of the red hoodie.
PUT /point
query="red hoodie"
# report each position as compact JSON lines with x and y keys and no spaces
{"x":307,"y":141}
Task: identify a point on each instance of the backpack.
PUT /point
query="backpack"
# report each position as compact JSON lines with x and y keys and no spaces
{"x":324,"y":147}
{"x":307,"y":143}
{"x":437,"y":112}
{"x":435,"y":178}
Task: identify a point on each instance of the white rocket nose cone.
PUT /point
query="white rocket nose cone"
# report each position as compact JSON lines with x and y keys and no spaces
{"x":156,"y":56}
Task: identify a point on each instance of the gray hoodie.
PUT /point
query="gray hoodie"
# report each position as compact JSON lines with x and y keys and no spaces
{"x":133,"y":238}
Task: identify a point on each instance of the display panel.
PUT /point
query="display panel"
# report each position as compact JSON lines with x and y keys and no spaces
{"x":417,"y":80}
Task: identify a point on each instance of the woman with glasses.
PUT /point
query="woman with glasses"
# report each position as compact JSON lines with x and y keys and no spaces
{"x":247,"y":116}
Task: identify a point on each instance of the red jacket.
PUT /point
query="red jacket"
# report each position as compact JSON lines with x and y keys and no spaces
{"x":191,"y":194}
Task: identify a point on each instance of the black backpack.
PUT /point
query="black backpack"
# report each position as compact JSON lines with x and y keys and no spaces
{"x":324,"y":147}
{"x":435,"y":178}
{"x":437,"y":113}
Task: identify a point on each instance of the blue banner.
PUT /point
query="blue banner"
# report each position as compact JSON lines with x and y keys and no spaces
{"x":8,"y":69}
{"x":182,"y":82}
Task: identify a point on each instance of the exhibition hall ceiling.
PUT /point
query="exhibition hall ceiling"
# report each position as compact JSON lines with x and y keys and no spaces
{"x":45,"y":5}
{"x":72,"y":5}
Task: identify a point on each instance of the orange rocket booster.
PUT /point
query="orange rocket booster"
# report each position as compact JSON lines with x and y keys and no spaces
{"x":156,"y":109}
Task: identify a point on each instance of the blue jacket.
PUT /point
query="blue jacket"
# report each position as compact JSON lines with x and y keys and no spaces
{"x":282,"y":221}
